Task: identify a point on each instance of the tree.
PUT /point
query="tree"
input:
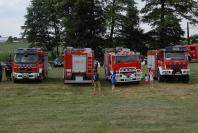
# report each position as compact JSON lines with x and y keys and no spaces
{"x":165,"y":16}
{"x":10,"y":39}
{"x":123,"y":24}
{"x":131,"y":34}
{"x":36,"y":24}
{"x":42,"y":26}
{"x":193,"y":39}
{"x":84,"y":24}
{"x":114,"y":10}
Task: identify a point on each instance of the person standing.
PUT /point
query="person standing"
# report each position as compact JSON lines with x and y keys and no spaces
{"x":150,"y":78}
{"x":113,"y":80}
{"x":8,"y":70}
{"x":96,"y":84}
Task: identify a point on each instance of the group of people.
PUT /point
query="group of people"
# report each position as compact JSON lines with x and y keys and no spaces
{"x":8,"y":71}
{"x":149,"y":77}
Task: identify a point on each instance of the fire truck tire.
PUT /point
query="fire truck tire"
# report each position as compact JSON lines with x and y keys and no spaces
{"x":159,"y":77}
{"x":137,"y":82}
{"x":185,"y":79}
{"x":15,"y":81}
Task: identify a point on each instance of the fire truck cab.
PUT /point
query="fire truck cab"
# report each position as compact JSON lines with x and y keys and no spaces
{"x":169,"y":63}
{"x":125,"y":63}
{"x":78,"y":65}
{"x":30,"y":64}
{"x":193,"y":52}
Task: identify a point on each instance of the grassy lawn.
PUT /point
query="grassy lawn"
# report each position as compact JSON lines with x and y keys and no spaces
{"x":9,"y":48}
{"x":53,"y":107}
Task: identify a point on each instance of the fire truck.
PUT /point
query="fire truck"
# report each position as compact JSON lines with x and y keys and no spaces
{"x":78,"y":65}
{"x":169,"y":63}
{"x":193,"y":52}
{"x":30,"y":64}
{"x":125,"y":63}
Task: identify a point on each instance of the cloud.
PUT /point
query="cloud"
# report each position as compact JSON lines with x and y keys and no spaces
{"x":12,"y":14}
{"x":13,"y":4}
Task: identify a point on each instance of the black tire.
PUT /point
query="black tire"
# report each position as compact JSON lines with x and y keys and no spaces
{"x":159,"y":77}
{"x":186,"y":79}
{"x":15,"y":81}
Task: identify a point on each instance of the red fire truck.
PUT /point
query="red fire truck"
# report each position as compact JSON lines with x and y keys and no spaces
{"x":169,"y":63}
{"x":125,"y":63}
{"x":30,"y":64}
{"x":193,"y":52}
{"x":78,"y":65}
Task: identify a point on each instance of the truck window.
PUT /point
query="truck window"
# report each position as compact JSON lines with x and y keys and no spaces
{"x":26,"y":58}
{"x":176,"y":56}
{"x":127,"y":59}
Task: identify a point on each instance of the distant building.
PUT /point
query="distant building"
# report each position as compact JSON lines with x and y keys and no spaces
{"x":3,"y":39}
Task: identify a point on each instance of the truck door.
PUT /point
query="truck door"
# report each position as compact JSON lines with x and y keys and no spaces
{"x":151,"y":63}
{"x":79,"y":63}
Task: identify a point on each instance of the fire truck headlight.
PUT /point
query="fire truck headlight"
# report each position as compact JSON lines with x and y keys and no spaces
{"x":166,"y":72}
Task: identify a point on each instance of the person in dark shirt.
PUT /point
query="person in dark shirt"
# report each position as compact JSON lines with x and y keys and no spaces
{"x":96,"y":83}
{"x":8,"y":71}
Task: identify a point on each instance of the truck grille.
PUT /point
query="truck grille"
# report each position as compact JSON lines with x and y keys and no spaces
{"x":176,"y":67}
{"x":25,"y":70}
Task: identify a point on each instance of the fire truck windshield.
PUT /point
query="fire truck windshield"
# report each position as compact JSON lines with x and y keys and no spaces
{"x":127,"y":59}
{"x":21,"y":58}
{"x":176,"y":56}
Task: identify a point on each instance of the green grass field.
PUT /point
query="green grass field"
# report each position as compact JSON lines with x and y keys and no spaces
{"x":9,"y":48}
{"x":52,"y":107}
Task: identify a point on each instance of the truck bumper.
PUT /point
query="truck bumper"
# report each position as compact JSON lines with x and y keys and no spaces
{"x":78,"y":79}
{"x":25,"y":76}
{"x":171,"y":72}
{"x":77,"y":82}
{"x":133,"y":78}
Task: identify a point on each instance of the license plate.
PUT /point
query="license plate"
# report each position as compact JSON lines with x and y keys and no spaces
{"x":79,"y":78}
{"x":127,"y":79}
{"x":25,"y":75}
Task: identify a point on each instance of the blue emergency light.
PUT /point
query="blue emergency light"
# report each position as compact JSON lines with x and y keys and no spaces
{"x":27,"y":50}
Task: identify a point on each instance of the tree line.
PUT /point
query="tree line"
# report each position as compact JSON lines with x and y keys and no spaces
{"x":100,"y":24}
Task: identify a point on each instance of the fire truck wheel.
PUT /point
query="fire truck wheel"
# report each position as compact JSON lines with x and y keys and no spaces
{"x":15,"y":81}
{"x":159,"y":77}
{"x":185,"y":79}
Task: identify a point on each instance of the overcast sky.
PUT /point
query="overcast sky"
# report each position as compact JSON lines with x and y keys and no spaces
{"x":12,"y":17}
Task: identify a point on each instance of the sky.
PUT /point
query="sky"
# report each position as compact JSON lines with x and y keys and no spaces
{"x":12,"y":14}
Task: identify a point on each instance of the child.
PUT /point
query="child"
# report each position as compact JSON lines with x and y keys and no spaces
{"x":113,"y":80}
{"x":146,"y":82}
{"x":151,"y":78}
{"x":96,"y":83}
